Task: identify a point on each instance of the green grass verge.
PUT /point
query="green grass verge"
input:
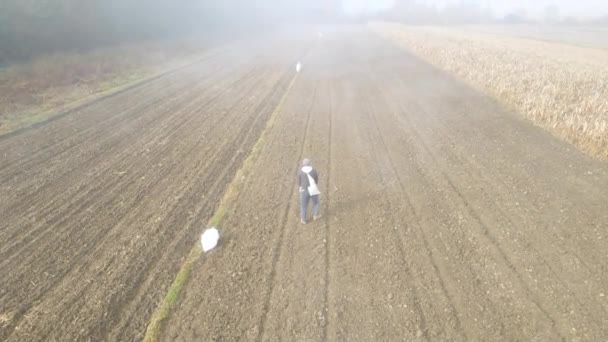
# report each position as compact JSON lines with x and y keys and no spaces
{"x":226,"y":204}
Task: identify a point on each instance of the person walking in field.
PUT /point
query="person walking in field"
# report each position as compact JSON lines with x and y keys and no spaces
{"x":308,"y":181}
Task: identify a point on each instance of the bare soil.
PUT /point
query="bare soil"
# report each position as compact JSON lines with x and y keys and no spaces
{"x":445,"y":217}
{"x":100,"y":206}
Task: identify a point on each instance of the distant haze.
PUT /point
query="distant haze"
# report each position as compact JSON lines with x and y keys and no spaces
{"x":567,"y":8}
{"x":366,"y":6}
{"x":574,"y":8}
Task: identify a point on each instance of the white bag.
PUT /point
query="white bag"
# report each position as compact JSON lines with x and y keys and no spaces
{"x":313,"y":189}
{"x":209,"y":239}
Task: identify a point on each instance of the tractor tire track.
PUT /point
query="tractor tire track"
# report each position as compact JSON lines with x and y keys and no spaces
{"x":287,"y":209}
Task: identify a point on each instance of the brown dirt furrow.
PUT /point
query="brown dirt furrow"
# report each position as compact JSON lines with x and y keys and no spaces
{"x":532,"y":191}
{"x":223,"y":175}
{"x":92,"y":237}
{"x":97,"y":167}
{"x":86,"y":121}
{"x":484,"y":264}
{"x":440,"y":135}
{"x":442,"y":306}
{"x":446,"y":218}
{"x":329,"y":289}
{"x":238,"y":273}
{"x":100,"y":245}
{"x":106,"y":175}
{"x":299,"y":257}
{"x":535,"y":266}
{"x":249,"y":134}
{"x":176,"y":88}
{"x":571,"y":262}
{"x":369,"y":271}
{"x":113,"y":139}
{"x":116,"y":236}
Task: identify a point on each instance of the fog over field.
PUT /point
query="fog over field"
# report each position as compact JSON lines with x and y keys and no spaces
{"x":578,"y":9}
{"x":36,"y":27}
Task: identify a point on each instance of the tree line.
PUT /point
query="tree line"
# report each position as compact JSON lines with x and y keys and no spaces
{"x":475,"y":12}
{"x":29,"y":28}
{"x":33,"y":27}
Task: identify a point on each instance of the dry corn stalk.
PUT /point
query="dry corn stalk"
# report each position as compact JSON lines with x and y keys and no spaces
{"x":554,"y":86}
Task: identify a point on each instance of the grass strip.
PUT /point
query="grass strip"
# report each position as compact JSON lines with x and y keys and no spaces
{"x":228,"y":200}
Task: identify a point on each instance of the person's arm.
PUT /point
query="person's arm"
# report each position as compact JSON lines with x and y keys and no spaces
{"x":315,"y":176}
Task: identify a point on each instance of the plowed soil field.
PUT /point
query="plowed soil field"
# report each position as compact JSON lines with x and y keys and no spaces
{"x":445,"y":217}
{"x":100,"y":206}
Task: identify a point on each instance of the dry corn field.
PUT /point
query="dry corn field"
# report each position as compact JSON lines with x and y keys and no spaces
{"x":560,"y":87}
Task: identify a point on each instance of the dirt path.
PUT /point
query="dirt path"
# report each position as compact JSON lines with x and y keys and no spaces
{"x":445,"y":218}
{"x":99,"y":207}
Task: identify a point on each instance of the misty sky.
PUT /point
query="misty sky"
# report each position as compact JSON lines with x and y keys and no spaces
{"x":576,"y":8}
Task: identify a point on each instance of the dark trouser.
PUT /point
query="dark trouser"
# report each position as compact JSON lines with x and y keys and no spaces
{"x":304,"y":199}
